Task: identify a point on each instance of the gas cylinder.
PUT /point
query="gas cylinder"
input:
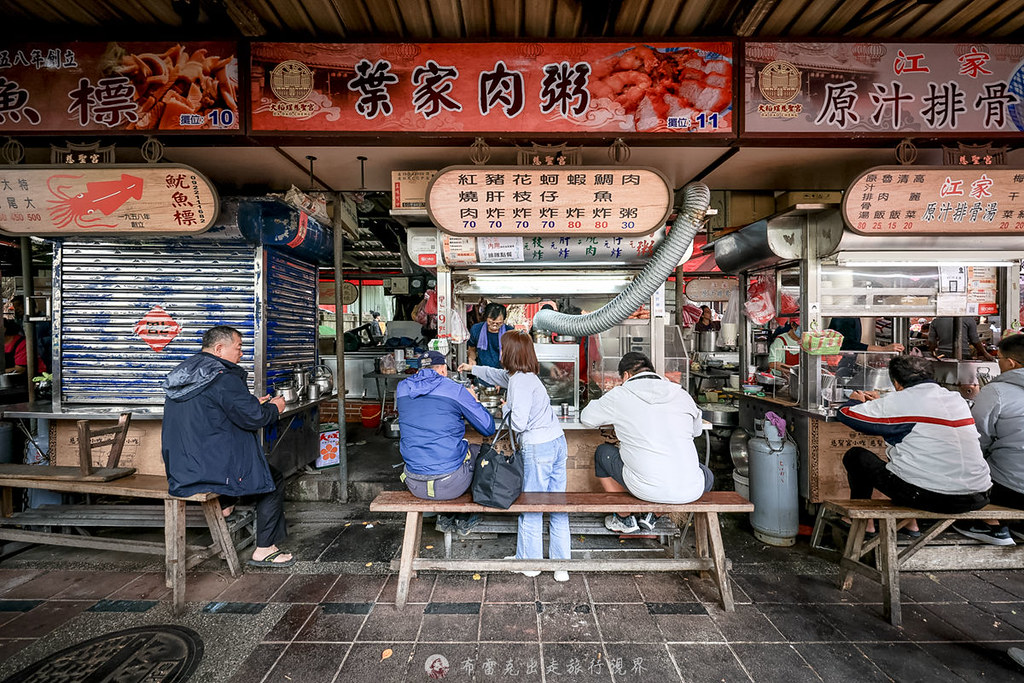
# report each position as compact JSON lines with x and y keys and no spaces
{"x":773,"y":487}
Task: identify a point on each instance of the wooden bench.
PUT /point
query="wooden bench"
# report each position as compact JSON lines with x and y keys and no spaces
{"x":178,"y":556}
{"x":710,"y":551}
{"x":889,"y":559}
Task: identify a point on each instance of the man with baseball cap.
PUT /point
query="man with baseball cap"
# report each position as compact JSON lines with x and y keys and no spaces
{"x":432,"y":415}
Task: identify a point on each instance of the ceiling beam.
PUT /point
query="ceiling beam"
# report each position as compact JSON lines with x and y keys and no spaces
{"x":305,"y":169}
{"x":748,"y":24}
{"x":244,"y":18}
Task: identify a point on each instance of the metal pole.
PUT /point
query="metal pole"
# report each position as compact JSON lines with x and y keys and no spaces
{"x":339,"y":343}
{"x":30,"y":334}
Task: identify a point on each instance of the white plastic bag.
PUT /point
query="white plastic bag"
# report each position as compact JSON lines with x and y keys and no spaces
{"x":457,"y":329}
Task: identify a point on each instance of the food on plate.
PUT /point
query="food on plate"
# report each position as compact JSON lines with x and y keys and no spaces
{"x":655,"y":85}
{"x":175,"y":82}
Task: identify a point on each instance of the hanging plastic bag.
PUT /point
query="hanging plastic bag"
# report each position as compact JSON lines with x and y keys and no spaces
{"x":457,"y":330}
{"x":821,"y":342}
{"x":760,"y":304}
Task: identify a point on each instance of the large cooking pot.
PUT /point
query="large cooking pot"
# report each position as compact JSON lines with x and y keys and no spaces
{"x":707,"y":341}
{"x":721,"y":415}
{"x":738,"y":450}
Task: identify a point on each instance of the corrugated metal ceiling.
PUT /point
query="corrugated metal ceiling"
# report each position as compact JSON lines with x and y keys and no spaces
{"x":397,"y":20}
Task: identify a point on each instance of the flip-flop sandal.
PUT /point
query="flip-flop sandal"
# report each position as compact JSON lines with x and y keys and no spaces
{"x":268,"y":561}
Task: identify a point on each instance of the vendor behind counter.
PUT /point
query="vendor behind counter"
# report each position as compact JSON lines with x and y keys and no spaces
{"x":484,"y":346}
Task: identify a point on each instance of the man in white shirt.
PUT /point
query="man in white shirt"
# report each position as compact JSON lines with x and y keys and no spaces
{"x":655,"y":421}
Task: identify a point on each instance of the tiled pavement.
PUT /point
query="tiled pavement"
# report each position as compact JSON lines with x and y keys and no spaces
{"x":791,"y":623}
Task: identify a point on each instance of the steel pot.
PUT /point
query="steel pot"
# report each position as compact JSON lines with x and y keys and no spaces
{"x":287,"y":391}
{"x":323,"y":376}
{"x":10,"y":379}
{"x":564,"y":339}
{"x":721,"y":415}
{"x":325,"y":384}
{"x":313,"y":392}
{"x":794,"y":383}
{"x":301,"y":379}
{"x":738,"y":450}
{"x":390,"y":427}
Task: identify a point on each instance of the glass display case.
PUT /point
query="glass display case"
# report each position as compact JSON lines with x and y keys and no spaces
{"x":849,"y":371}
{"x":560,"y":373}
{"x":663,"y":344}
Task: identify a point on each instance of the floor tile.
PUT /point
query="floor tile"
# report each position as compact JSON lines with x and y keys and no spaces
{"x":640,"y":663}
{"x":792,"y":589}
{"x":206,"y":586}
{"x":326,"y":625}
{"x":919,"y":587}
{"x":706,"y":591}
{"x":8,"y":646}
{"x":258,"y":663}
{"x":688,"y":628}
{"x":148,"y":586}
{"x":764,"y":662}
{"x":606,"y":587}
{"x":977,"y":623}
{"x":1010,"y":581}
{"x":93,"y":585}
{"x":356,"y":588}
{"x":45,"y":618}
{"x":698,"y":662}
{"x":253,"y":587}
{"x":221,"y":607}
{"x":364,"y":663}
{"x":503,"y":662}
{"x":574,"y":662}
{"x":906,"y":662}
{"x":973,"y":588}
{"x":450,"y":628}
{"x":840,"y":662}
{"x":46,"y":585}
{"x":921,"y":625}
{"x":419,"y":588}
{"x":512,"y":587}
{"x":976,"y":661}
{"x":798,"y":624}
{"x":566,"y":622}
{"x":746,"y":624}
{"x":131,"y":606}
{"x":388,"y":624}
{"x":861,"y":622}
{"x":573,"y":590}
{"x":309,"y":663}
{"x":451,"y":662}
{"x":628,"y":623}
{"x":287,"y":627}
{"x":305,"y":588}
{"x":515,"y":623}
{"x":458,"y":588}
{"x":664,"y":587}
{"x":11,"y":578}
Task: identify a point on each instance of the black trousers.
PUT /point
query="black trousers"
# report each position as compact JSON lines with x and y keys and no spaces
{"x":1007,"y":497}
{"x":866,"y":472}
{"x":271,"y":527}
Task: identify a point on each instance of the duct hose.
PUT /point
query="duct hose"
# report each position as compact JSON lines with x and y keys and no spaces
{"x":696,"y":198}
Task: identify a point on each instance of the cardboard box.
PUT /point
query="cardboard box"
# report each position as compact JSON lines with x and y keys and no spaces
{"x":790,"y":199}
{"x":141,"y":446}
{"x":409,"y":189}
{"x":329,"y":454}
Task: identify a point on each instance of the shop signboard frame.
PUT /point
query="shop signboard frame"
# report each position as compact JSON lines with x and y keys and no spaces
{"x":54,"y":200}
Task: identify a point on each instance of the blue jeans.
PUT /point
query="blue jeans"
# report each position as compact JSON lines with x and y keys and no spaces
{"x":544,"y":471}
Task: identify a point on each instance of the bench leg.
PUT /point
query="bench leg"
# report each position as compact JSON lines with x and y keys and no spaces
{"x":410,"y":549}
{"x":819,"y":527}
{"x":221,"y":536}
{"x":447,"y":545}
{"x":853,"y":551}
{"x":700,"y":535}
{"x":718,"y":555}
{"x":175,"y":551}
{"x":889,"y":567}
{"x":6,"y":501}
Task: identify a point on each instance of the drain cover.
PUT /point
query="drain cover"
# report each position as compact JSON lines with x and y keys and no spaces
{"x":153,"y":654}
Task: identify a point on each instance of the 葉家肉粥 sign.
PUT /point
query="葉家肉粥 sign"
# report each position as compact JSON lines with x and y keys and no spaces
{"x":539,"y":200}
{"x":936,"y":200}
{"x":127,"y":199}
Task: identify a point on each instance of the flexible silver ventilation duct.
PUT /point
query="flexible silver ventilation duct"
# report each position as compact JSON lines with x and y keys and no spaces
{"x":696,"y":198}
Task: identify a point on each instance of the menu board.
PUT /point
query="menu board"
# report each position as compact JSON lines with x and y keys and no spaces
{"x":936,"y":200}
{"x":548,"y":200}
{"x":119,"y":87}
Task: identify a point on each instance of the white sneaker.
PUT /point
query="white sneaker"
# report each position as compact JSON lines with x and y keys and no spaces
{"x":561,"y":576}
{"x":622,"y":525}
{"x":529,"y":574}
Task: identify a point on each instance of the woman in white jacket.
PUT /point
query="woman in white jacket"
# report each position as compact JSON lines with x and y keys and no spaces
{"x":530,"y":415}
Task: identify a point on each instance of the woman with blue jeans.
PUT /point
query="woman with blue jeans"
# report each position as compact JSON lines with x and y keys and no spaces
{"x":542,"y":441}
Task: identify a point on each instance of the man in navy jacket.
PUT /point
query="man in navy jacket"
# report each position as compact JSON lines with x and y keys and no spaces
{"x":432,"y":415}
{"x":211,"y":441}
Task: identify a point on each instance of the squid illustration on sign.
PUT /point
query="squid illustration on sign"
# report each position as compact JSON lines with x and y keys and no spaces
{"x":85,"y":208}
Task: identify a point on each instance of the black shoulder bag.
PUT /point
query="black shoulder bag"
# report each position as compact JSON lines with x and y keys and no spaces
{"x":498,"y":478}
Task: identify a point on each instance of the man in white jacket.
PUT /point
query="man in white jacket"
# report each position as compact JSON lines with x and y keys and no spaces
{"x":935,"y":460}
{"x":655,"y":421}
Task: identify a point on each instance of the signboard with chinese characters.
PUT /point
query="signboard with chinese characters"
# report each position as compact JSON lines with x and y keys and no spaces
{"x":711,"y":289}
{"x":550,"y":250}
{"x":936,"y":200}
{"x":118,"y":87}
{"x":548,"y":200}
{"x":102,"y":200}
{"x":671,"y":88}
{"x":894,"y":88}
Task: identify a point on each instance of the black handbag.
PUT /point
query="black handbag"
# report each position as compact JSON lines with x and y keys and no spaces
{"x":497,"y":478}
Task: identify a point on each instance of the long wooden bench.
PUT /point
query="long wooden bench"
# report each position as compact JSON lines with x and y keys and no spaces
{"x":889,"y":559}
{"x":178,"y":555}
{"x":710,"y":550}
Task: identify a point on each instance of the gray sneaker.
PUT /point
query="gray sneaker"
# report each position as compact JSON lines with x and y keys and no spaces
{"x":648,"y":520}
{"x":445,"y":523}
{"x":622,"y":525}
{"x":984,"y":532}
{"x":466,"y":524}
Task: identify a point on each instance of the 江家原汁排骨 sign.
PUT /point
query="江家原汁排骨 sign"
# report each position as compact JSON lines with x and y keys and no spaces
{"x":524,"y":200}
{"x":936,"y":200}
{"x":127,"y":199}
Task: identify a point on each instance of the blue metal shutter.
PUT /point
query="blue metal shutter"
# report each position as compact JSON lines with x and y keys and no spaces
{"x":102,"y":290}
{"x":291,"y":315}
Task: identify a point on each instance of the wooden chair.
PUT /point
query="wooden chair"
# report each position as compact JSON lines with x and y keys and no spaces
{"x":89,"y":438}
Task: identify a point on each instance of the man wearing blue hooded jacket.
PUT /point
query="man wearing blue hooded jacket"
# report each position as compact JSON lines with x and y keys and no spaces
{"x":211,"y":441}
{"x":432,"y":415}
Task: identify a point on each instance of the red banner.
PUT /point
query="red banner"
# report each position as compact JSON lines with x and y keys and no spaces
{"x":118,"y":87}
{"x":672,"y":88}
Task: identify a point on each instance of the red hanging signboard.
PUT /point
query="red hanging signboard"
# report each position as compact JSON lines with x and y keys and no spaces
{"x":157,"y":328}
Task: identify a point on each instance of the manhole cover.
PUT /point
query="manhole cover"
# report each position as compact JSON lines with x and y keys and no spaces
{"x":148,"y":653}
